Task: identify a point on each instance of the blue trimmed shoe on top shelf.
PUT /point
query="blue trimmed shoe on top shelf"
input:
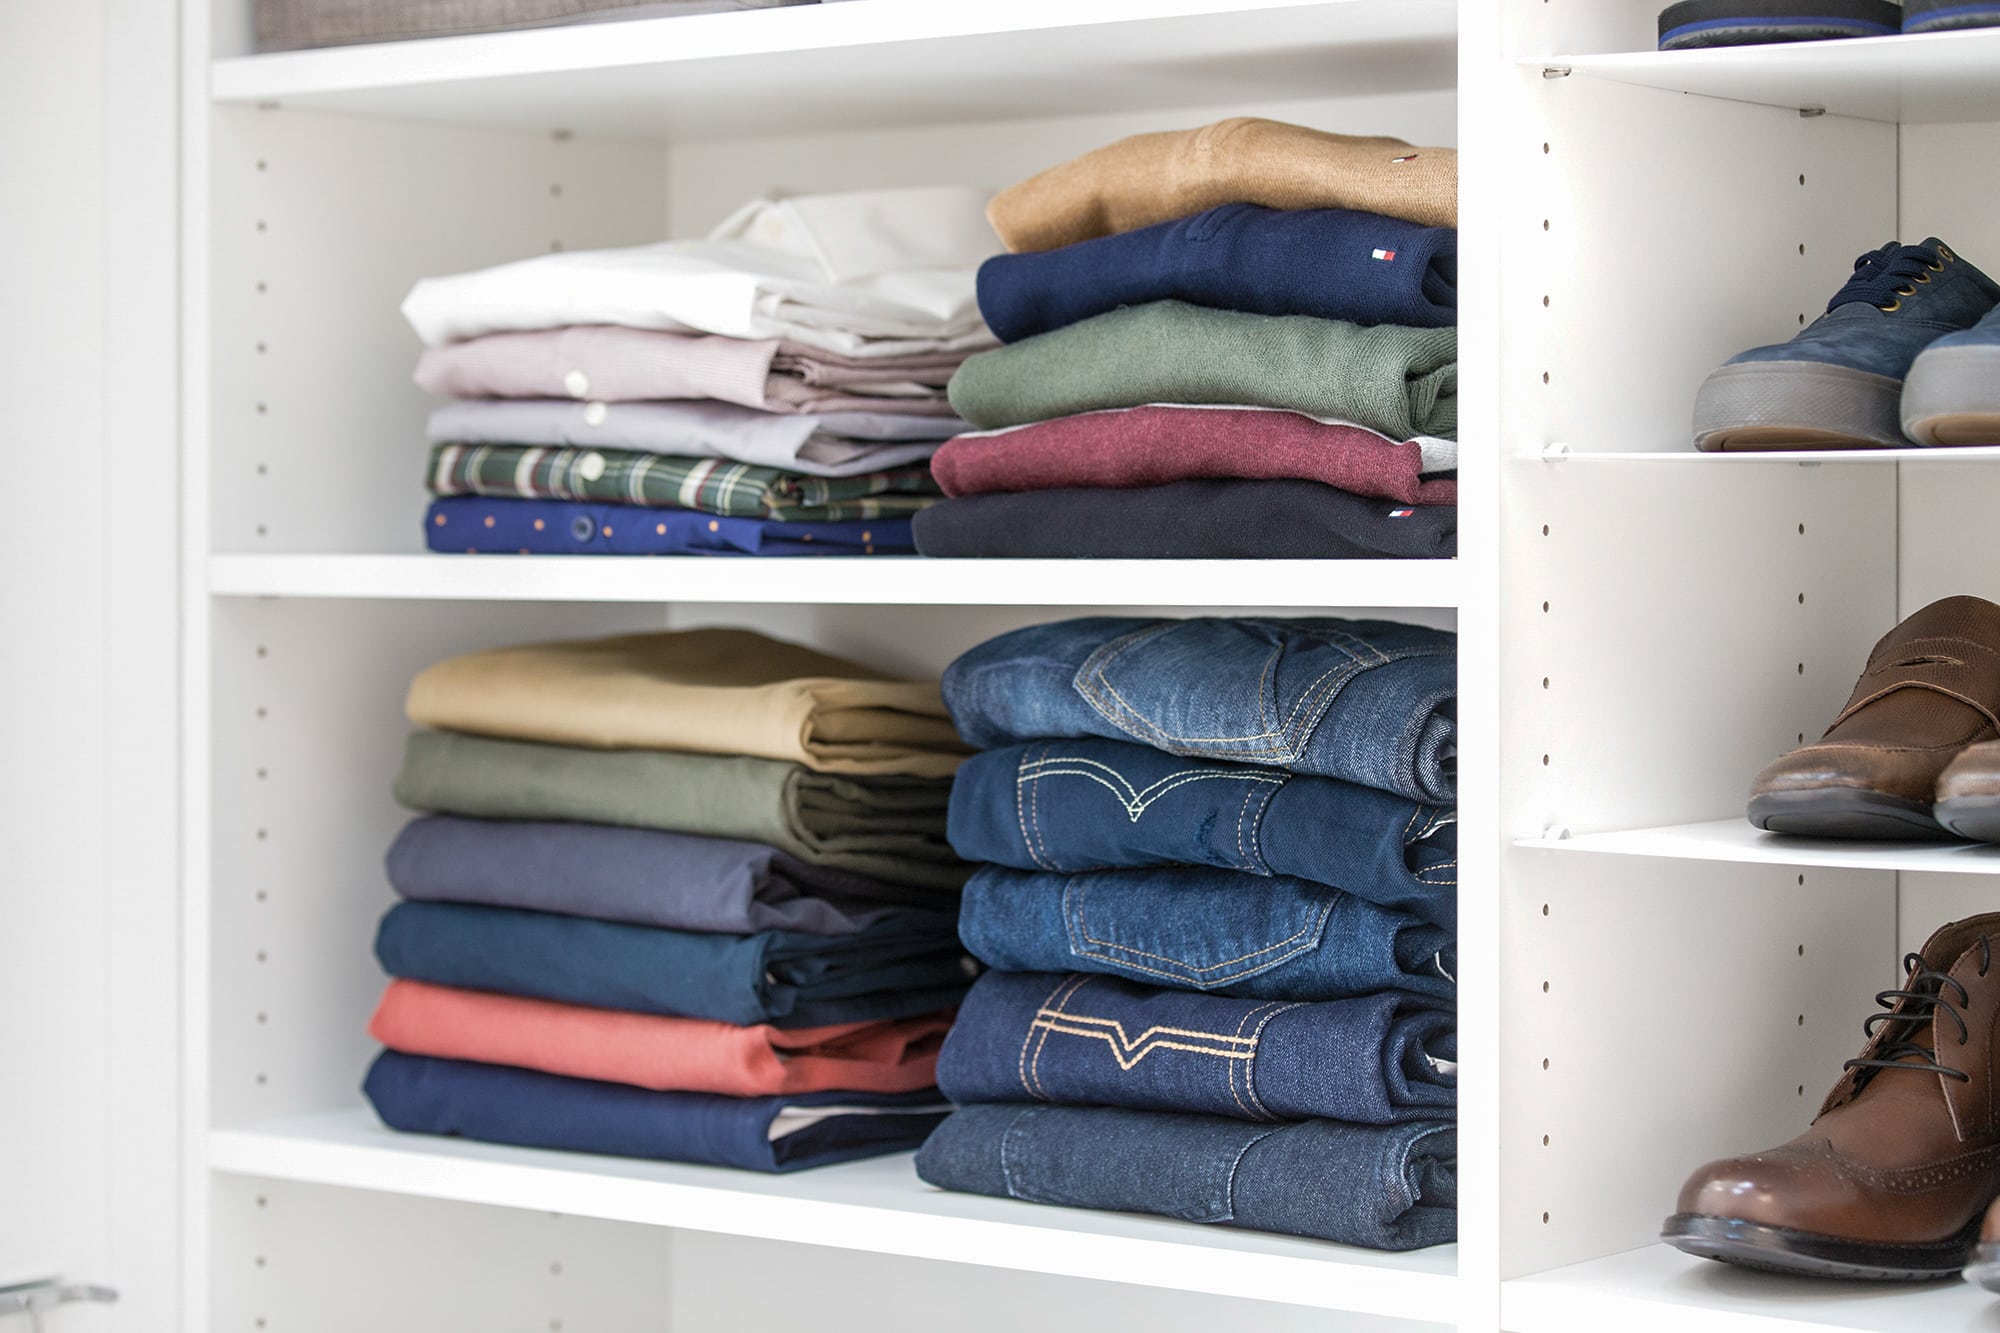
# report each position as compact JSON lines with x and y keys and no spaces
{"x":1839,"y":383}
{"x":1699,"y":23}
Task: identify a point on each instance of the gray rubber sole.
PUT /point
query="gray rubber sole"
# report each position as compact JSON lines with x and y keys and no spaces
{"x":1985,"y":1266}
{"x":1953,"y":396}
{"x":1766,"y":405}
{"x":1973,"y":817}
{"x":1845,"y":812}
{"x":1782,"y":1250}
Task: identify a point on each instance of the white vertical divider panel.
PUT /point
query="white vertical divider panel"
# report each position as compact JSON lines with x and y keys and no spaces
{"x":1487,"y":82}
{"x":315,"y":1259}
{"x":319,"y":225}
{"x":308,"y":733}
{"x":1665,"y":630}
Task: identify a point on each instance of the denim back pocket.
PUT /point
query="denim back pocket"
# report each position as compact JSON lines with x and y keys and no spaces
{"x":1127,"y":1161}
{"x":1248,"y":690}
{"x":1080,"y":805}
{"x":1199,"y":941}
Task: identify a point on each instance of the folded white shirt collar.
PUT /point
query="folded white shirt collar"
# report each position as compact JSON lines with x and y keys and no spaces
{"x":875,"y":272}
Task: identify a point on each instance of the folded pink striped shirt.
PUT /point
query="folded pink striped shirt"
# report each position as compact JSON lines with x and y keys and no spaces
{"x":1155,"y":445}
{"x":664,"y":1054}
{"x":608,"y":364}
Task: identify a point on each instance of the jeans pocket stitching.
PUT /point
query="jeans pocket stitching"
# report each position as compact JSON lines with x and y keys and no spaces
{"x":1110,"y":951}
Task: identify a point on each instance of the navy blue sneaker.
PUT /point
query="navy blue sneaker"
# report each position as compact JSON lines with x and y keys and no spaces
{"x":1952,"y":395}
{"x":1839,"y":383}
{"x":1695,"y":23}
{"x":1944,"y":15}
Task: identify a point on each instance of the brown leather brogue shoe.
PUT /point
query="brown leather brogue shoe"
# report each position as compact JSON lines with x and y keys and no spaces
{"x":1931,"y":688}
{"x":1985,"y":1266}
{"x":1968,"y":793}
{"x":1895,"y":1175}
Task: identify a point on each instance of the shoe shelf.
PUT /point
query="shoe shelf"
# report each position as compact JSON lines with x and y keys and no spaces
{"x":878,"y":581}
{"x":1804,"y":457}
{"x":883,"y":63}
{"x":1660,"y":1290}
{"x":877,"y":1205}
{"x":1735,"y":840}
{"x":1924,"y":78}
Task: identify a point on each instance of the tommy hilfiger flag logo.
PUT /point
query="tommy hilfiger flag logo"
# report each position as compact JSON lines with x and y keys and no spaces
{"x":1386,"y":256}
{"x":1402,"y":513}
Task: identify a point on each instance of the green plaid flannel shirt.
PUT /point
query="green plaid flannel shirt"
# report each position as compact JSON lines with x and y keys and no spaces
{"x":663,"y":481}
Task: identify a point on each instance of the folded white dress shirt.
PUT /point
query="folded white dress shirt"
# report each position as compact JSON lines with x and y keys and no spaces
{"x":868,"y":273}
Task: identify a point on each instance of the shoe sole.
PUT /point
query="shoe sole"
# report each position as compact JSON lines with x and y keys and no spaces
{"x":1698,"y":23}
{"x":1973,"y":817}
{"x":1953,"y":397}
{"x":1985,"y":1266}
{"x":1766,"y":405}
{"x":1782,"y":1250}
{"x":1845,"y":812}
{"x":1947,"y":17}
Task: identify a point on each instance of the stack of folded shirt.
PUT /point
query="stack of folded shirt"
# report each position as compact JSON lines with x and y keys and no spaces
{"x":677,"y":895}
{"x":1238,"y":341}
{"x":774,"y":389}
{"x":1220,"y":896}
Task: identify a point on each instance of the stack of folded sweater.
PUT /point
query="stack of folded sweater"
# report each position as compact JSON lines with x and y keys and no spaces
{"x":677,"y":895}
{"x":1220,"y":896}
{"x":774,"y":389}
{"x":1238,"y":341}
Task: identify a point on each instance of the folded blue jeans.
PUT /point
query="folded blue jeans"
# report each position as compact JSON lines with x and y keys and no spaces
{"x":644,"y":877}
{"x":1386,"y":1187}
{"x":908,"y":964}
{"x":1075,"y":805}
{"x":1084,"y":1040}
{"x":1367,"y":701}
{"x":1275,"y":938}
{"x":422,"y":1094}
{"x":1335,"y":263}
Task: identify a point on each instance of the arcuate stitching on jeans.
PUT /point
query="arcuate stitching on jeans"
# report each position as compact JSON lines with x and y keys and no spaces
{"x":1134,"y":801}
{"x":1031,"y":1067}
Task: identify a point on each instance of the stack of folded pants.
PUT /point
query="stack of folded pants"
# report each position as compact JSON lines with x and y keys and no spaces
{"x":1238,"y":341}
{"x":1219,"y":900}
{"x":676,"y":895}
{"x":774,"y":389}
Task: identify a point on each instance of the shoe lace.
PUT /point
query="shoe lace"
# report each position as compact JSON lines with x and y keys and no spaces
{"x":1925,"y":992}
{"x":1884,"y":277}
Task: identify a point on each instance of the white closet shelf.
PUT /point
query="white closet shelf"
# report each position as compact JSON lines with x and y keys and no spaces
{"x":876,"y":581}
{"x":1660,"y":1290}
{"x":827,"y":67}
{"x":1736,"y":840}
{"x":1920,"y":79}
{"x":877,"y":1205}
{"x":1805,"y":457}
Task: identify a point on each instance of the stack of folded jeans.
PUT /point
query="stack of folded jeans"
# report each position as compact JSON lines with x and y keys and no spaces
{"x":1220,"y":901}
{"x":774,"y":389}
{"x":1238,"y":341}
{"x":679,"y":895}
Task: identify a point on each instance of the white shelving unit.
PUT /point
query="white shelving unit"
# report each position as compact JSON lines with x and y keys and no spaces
{"x":1641,"y":629}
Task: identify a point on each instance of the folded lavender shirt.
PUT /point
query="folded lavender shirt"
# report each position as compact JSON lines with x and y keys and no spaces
{"x":1154,"y":445}
{"x":606,"y":363}
{"x":840,"y":444}
{"x":642,"y":877}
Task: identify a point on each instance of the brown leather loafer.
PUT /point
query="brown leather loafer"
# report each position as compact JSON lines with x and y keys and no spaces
{"x":1931,"y":688}
{"x":1894,"y":1177}
{"x":1985,"y":1266}
{"x":1968,"y":793}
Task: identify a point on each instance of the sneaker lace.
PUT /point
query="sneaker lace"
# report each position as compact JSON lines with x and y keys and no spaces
{"x":1925,"y":992}
{"x":1883,"y":277}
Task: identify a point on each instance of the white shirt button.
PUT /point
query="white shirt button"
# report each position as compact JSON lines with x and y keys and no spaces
{"x":576,"y":383}
{"x":594,"y":414}
{"x":591,"y":466}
